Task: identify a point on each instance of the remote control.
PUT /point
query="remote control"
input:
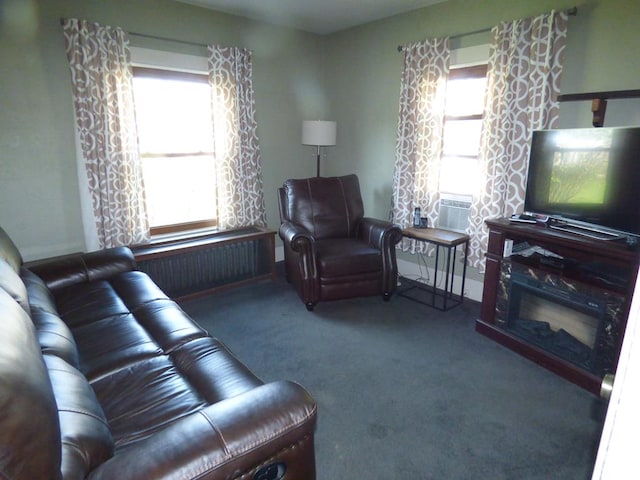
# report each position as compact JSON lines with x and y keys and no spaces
{"x":522,"y":219}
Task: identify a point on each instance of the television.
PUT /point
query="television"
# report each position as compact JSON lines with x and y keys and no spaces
{"x":586,"y":180}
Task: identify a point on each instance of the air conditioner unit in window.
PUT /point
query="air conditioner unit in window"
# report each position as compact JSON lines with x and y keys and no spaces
{"x":454,"y":212}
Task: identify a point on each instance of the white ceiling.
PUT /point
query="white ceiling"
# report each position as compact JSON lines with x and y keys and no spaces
{"x":316,"y":16}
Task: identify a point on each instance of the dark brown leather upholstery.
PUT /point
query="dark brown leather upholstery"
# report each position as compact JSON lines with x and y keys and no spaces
{"x":331,"y":249}
{"x":104,"y":377}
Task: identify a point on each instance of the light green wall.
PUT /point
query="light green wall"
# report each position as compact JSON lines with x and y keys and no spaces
{"x":363,"y":70}
{"x":39,"y":200}
{"x":352,"y":77}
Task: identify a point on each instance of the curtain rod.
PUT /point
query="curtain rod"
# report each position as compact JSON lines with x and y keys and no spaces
{"x":156,"y":37}
{"x":570,"y":11}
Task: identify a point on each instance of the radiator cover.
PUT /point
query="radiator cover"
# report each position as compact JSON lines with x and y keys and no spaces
{"x":194,"y":266}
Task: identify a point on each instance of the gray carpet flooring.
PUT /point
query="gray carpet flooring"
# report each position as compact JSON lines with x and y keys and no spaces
{"x":408,"y":392}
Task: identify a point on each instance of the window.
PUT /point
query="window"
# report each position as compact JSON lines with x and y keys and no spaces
{"x":464,"y":107}
{"x":175,"y":137}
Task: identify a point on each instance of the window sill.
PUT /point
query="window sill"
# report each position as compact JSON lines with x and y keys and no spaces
{"x":171,"y":242}
{"x":190,"y":264}
{"x":183,"y":235}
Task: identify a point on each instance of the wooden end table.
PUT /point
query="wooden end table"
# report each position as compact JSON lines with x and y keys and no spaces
{"x":441,"y":299}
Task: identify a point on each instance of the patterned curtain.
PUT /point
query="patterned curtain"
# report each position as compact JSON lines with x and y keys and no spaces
{"x":419,"y":138}
{"x":105,"y":121}
{"x":236,"y":149}
{"x":525,"y":64}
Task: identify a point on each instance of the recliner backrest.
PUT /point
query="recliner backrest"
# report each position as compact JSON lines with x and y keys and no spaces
{"x":328,"y":207}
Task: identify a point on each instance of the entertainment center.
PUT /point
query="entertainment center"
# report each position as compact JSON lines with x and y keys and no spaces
{"x":560,"y":277}
{"x":565,"y":306}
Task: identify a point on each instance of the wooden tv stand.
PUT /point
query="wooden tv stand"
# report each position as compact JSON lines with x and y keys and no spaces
{"x":589,"y":269}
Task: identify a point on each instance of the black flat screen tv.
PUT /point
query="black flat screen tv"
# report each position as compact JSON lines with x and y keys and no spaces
{"x":586,"y":177}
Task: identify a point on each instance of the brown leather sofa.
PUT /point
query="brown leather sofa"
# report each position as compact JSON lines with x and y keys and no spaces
{"x":331,"y":249}
{"x":104,"y":377}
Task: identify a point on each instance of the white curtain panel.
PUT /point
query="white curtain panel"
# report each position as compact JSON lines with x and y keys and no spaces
{"x":103,"y":99}
{"x":525,"y":65}
{"x":236,"y":148}
{"x":419,"y":137}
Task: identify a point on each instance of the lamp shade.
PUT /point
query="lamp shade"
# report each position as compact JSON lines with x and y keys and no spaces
{"x":318,"y":132}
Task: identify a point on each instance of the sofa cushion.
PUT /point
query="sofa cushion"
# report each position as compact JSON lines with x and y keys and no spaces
{"x":271,"y":425}
{"x":54,"y":336}
{"x":198,"y":358}
{"x":86,"y":438}
{"x":112,"y":343}
{"x":167,"y":323}
{"x":39,"y":295}
{"x":61,"y":272}
{"x":28,"y":413}
{"x":121,"y":321}
{"x":150,"y":394}
{"x":11,"y":283}
{"x":145,"y":397}
{"x":136,"y":288}
{"x":85,"y":303}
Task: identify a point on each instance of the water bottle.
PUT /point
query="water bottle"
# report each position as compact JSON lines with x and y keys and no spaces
{"x":416,"y":217}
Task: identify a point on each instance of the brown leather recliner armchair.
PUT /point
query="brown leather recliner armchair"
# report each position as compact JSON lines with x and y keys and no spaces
{"x":331,"y":250}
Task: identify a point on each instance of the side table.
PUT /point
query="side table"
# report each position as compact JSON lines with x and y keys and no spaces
{"x":440,"y":299}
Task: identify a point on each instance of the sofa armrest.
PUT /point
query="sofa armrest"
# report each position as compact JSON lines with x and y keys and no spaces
{"x":379,"y":233}
{"x":60,"y":272}
{"x":233,"y":438}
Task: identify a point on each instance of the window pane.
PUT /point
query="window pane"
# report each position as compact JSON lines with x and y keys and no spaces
{"x":461,"y":137}
{"x":465,"y":96}
{"x":459,"y":170}
{"x":459,"y":175}
{"x":179,"y":189}
{"x":173,"y":116}
{"x":174,"y":122}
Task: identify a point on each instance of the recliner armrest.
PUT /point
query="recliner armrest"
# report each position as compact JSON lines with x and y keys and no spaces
{"x":379,"y":233}
{"x":297,"y":237}
{"x":60,"y":272}
{"x":231,"y":438}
